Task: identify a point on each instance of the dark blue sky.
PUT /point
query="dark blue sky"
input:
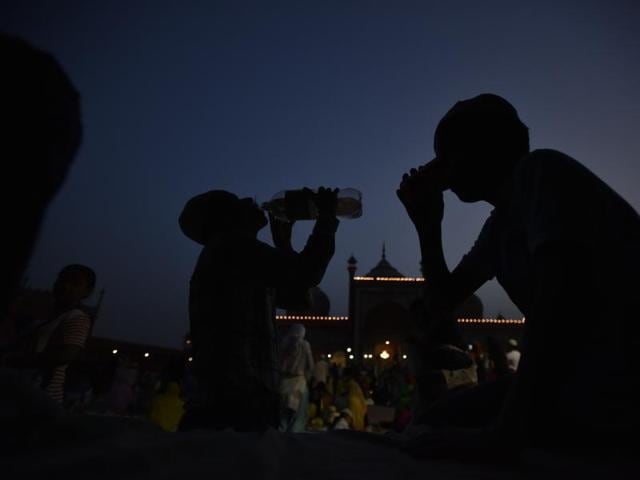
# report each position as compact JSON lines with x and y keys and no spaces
{"x":255,"y":97}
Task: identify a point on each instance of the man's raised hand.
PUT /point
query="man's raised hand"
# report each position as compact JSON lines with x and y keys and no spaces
{"x":420,"y":192}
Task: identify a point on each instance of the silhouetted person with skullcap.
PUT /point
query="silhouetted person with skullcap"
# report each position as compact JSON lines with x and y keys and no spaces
{"x":236,"y":285}
{"x":566,"y":249}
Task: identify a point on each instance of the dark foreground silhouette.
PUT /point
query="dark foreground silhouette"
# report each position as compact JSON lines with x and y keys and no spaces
{"x":40,"y":132}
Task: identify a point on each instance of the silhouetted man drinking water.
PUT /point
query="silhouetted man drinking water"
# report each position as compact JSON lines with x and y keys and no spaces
{"x":236,"y":285}
{"x":565,"y":247}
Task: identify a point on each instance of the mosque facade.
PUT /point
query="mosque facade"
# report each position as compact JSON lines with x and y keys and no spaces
{"x":380,"y":316}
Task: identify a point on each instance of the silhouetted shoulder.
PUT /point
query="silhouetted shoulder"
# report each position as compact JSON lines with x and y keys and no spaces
{"x":548,"y":163}
{"x":556,"y":198}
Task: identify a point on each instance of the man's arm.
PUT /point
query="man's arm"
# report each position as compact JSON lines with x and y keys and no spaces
{"x":421,"y":194}
{"x":285,"y":269}
{"x":531,"y":415}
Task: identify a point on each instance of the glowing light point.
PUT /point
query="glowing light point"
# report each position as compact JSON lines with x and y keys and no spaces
{"x":190,"y":359}
{"x":351,"y":357}
{"x":146,"y":354}
{"x":387,"y":342}
{"x":114,"y":351}
{"x":384,"y":355}
{"x":404,"y":357}
{"x":348,"y":349}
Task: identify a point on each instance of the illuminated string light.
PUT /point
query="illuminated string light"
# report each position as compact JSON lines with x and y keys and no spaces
{"x":389,"y":279}
{"x":348,"y":349}
{"x":114,"y":351}
{"x":478,"y":321}
{"x":351,"y":357}
{"x":146,"y":354}
{"x":190,"y":359}
{"x":322,"y":318}
{"x":404,"y":357}
{"x":492,"y":321}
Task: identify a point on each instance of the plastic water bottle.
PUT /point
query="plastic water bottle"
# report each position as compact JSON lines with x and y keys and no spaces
{"x":300,"y":204}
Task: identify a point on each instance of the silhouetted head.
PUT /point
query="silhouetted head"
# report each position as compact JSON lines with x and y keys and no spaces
{"x":40,"y":121}
{"x":480,"y":139}
{"x":219,"y":211}
{"x":40,"y":132}
{"x":74,"y":283}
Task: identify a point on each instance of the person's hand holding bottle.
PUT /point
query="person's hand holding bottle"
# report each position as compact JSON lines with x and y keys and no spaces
{"x":281,"y":232}
{"x":326,"y":200}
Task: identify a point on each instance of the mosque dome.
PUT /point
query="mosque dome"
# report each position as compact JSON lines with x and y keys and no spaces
{"x":472,"y":307}
{"x":318,"y":304}
{"x":384,"y":268}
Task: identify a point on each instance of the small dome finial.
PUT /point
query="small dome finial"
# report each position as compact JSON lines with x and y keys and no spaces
{"x":384,"y":251}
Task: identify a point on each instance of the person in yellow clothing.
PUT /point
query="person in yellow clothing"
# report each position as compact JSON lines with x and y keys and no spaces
{"x":355,"y":399}
{"x":167,"y":408}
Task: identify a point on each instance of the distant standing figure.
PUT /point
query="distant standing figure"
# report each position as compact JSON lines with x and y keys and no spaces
{"x":320,"y":371}
{"x":296,"y":365}
{"x":122,"y":394}
{"x":513,"y":355}
{"x":167,"y":408}
{"x":357,"y":404}
{"x":236,"y":285}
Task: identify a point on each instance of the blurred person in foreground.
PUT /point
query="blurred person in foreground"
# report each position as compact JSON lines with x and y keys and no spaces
{"x":40,"y":133}
{"x":565,"y":247}
{"x":237,"y":283}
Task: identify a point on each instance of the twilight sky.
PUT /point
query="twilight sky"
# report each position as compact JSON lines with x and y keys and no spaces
{"x":180,"y":97}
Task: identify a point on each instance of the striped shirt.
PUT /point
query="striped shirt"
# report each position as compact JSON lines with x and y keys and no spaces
{"x":73,"y":329}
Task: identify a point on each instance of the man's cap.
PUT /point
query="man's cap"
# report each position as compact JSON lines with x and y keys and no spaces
{"x":207,"y":212}
{"x":485,"y":103}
